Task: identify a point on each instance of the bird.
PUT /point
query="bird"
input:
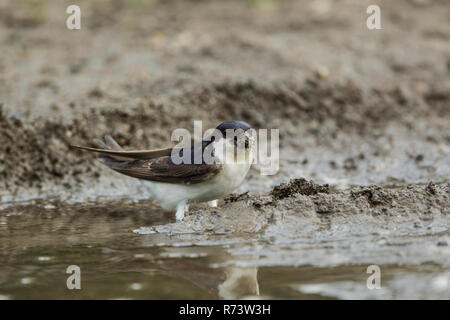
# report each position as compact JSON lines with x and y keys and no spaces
{"x":174,"y":186}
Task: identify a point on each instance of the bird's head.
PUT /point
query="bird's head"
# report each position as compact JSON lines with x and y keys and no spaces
{"x":238,"y":135}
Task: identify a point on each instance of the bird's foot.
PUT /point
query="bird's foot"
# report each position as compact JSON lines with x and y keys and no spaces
{"x":182,"y":208}
{"x":213,"y":203}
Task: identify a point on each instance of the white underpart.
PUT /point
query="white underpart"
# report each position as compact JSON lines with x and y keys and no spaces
{"x":171,"y":196}
{"x":213,"y":203}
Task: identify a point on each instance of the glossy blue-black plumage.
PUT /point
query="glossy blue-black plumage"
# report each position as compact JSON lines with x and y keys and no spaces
{"x":233,"y":124}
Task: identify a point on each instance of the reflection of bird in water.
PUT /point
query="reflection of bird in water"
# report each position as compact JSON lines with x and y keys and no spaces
{"x":239,"y":283}
{"x":225,"y":282}
{"x":176,"y":185}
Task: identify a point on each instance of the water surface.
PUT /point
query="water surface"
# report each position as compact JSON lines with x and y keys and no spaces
{"x":39,"y":240}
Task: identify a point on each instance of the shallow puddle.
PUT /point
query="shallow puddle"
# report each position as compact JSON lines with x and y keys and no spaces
{"x":117,"y":261}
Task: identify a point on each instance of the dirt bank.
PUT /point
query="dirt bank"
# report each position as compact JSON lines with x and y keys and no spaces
{"x":304,"y":202}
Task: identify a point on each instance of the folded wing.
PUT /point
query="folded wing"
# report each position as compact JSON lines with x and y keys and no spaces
{"x":153,"y":165}
{"x":164,"y":170}
{"x":137,"y":154}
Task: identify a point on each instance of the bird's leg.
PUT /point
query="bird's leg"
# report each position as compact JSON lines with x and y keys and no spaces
{"x":182,"y":208}
{"x":212,"y":203}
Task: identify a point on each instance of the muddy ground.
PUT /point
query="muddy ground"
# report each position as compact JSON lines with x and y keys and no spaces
{"x":363,"y":114}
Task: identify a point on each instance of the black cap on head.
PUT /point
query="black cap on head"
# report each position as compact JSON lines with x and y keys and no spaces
{"x":233,"y":124}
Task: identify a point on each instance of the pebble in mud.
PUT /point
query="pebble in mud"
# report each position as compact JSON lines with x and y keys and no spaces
{"x":431,"y":188}
{"x":419,"y":158}
{"x":350,"y":164}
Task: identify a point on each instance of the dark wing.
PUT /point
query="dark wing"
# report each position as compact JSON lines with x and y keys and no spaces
{"x":164,"y":170}
{"x":153,"y":165}
{"x":137,"y":154}
{"x":112,"y":148}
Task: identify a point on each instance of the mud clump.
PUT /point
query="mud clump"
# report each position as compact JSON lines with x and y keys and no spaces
{"x":431,"y":188}
{"x":31,"y":154}
{"x":375,"y":195}
{"x":237,"y":197}
{"x":298,"y":186}
{"x":37,"y":154}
